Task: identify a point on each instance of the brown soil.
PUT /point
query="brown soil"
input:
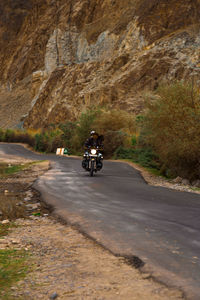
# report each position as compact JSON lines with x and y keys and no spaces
{"x":66,"y":264}
{"x":17,"y":199}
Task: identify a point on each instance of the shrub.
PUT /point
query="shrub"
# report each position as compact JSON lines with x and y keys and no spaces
{"x":24,"y":137}
{"x":117,"y":126}
{"x":40,"y":142}
{"x":68,"y":131}
{"x":172,"y":128}
{"x":1,"y":135}
{"x":113,"y":140}
{"x":144,"y":156}
{"x":9,"y":135}
{"x":115,"y":120}
{"x":134,"y":140}
{"x":54,"y":140}
{"x":124,"y":153}
{"x":84,"y":125}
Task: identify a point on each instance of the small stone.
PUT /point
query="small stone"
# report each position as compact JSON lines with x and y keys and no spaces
{"x":196,"y":183}
{"x":33,"y":206}
{"x":178,"y":180}
{"x":146,"y":275}
{"x":6,"y":191}
{"x":29,"y":194}
{"x":27,"y":199}
{"x":53,"y":296}
{"x":35,"y":218}
{"x":185,"y":182}
{"x":19,"y":204}
{"x":4,"y":222}
{"x":15,"y":242}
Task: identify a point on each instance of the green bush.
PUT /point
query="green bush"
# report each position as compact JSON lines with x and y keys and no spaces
{"x":112,"y":141}
{"x":9,"y":135}
{"x":172,"y":128}
{"x":40,"y":142}
{"x":134,"y":140}
{"x":144,"y":156}
{"x":84,"y":125}
{"x":1,"y":135}
{"x":124,"y":153}
{"x":118,"y":128}
{"x":68,"y":131}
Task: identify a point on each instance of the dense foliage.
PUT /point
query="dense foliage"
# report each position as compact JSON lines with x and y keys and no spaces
{"x":166,"y":137}
{"x":172,"y":127}
{"x":117,"y":127}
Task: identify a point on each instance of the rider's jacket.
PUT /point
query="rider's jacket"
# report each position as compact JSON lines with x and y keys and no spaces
{"x":91,"y":142}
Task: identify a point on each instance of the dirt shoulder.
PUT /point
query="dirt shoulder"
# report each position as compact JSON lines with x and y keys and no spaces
{"x":63,"y":263}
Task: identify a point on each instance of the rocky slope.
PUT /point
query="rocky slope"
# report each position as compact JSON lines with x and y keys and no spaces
{"x":59,"y":57}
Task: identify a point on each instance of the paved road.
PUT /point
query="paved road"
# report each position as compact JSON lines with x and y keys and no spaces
{"x":119,"y":210}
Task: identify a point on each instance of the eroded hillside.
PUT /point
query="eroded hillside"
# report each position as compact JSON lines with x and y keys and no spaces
{"x":59,"y":57}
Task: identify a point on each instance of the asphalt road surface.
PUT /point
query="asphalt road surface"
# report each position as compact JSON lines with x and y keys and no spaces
{"x":123,"y":213}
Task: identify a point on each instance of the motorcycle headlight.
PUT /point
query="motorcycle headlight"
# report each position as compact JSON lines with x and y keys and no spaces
{"x":93,"y":151}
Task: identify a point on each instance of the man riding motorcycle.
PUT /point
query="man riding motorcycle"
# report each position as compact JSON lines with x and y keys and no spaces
{"x":94,"y":141}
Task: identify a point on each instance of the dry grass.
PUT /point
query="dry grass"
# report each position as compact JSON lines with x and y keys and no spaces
{"x":10,"y":206}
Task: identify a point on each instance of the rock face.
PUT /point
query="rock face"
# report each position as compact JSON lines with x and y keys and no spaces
{"x":59,"y":57}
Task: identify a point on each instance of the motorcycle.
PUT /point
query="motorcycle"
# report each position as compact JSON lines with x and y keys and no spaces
{"x":92,"y":160}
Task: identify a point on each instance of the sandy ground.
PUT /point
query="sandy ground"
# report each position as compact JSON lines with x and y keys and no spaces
{"x":70,"y":265}
{"x":67,"y":265}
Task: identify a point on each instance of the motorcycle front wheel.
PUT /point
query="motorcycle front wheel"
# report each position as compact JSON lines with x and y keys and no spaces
{"x":92,"y":169}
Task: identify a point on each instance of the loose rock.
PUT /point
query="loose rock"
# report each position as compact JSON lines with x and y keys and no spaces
{"x":15,"y":242}
{"x":29,"y":194}
{"x":5,"y":222}
{"x":27,"y":199}
{"x":53,"y":296}
{"x":33,"y":206}
{"x":196,"y":183}
{"x":185,"y":182}
{"x":178,"y":180}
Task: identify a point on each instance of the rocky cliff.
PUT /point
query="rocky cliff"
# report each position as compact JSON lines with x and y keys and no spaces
{"x":59,"y":57}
